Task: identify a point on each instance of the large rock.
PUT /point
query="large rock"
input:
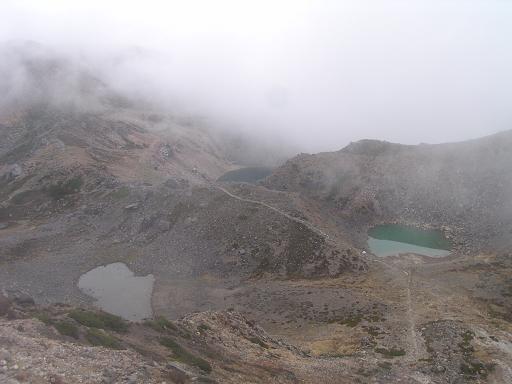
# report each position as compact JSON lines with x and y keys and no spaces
{"x":21,"y":298}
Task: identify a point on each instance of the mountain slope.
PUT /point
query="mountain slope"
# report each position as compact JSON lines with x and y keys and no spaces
{"x":118,"y":180}
{"x":464,"y":186}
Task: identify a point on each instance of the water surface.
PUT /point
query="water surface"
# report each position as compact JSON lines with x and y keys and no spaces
{"x":117,"y":290}
{"x":394,"y":239}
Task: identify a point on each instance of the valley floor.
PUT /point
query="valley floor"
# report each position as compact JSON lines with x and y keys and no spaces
{"x":407,"y":319}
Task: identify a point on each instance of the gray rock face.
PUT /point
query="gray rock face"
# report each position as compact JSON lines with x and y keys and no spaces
{"x":21,"y":298}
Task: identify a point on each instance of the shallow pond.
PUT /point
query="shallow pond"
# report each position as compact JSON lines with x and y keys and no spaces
{"x":117,"y":290}
{"x":394,"y":239}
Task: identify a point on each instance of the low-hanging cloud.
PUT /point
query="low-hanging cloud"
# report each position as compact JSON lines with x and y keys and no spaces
{"x":319,"y":73}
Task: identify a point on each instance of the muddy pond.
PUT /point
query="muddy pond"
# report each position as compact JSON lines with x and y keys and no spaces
{"x":118,"y":291}
{"x":393,"y":239}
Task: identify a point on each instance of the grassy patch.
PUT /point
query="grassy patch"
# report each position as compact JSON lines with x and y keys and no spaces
{"x":181,"y":354}
{"x":161,"y":324}
{"x":64,"y":188}
{"x":465,"y":344}
{"x":67,"y":328}
{"x":474,"y":368}
{"x":470,"y":366}
{"x":426,"y":360}
{"x":43,"y":317}
{"x":101,"y":320}
{"x":203,"y":328}
{"x":390,"y":353}
{"x":352,"y":320}
{"x":335,"y":355}
{"x":98,"y":337}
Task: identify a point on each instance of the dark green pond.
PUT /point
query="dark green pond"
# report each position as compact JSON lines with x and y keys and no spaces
{"x":394,"y":239}
{"x":248,"y":175}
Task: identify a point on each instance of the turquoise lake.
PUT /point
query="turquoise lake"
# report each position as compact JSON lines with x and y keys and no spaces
{"x":393,"y":239}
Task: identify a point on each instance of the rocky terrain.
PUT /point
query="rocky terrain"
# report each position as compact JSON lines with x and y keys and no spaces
{"x":462,"y":186}
{"x":266,"y":282}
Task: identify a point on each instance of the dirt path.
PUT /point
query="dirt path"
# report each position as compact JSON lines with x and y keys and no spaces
{"x":277,"y":210}
{"x":414,"y":352}
{"x":411,"y":319}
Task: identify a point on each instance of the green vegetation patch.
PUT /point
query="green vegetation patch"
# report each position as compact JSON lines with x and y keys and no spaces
{"x":101,"y":320}
{"x":353,"y":319}
{"x":98,"y":337}
{"x":66,"y":328}
{"x":181,"y":354}
{"x":43,"y":317}
{"x":476,"y":368}
{"x":203,"y":328}
{"x":465,"y":344}
{"x":390,"y":353}
{"x":161,"y":324}
{"x":470,"y":366}
{"x":64,"y":188}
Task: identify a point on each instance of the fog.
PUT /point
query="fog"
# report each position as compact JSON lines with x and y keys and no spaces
{"x":317,"y":73}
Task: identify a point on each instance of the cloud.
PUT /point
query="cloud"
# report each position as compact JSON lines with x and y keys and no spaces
{"x":319,"y":73}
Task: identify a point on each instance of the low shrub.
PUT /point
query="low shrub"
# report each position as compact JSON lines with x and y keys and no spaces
{"x":181,"y":354}
{"x":67,"y":328}
{"x":393,"y":352}
{"x":64,"y":188}
{"x":161,"y":324}
{"x":43,"y":317}
{"x":98,"y":337}
{"x":101,"y":320}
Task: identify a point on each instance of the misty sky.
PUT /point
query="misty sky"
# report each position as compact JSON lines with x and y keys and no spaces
{"x":322,"y":72}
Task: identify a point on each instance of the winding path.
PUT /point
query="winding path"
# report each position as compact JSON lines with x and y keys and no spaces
{"x":277,"y":210}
